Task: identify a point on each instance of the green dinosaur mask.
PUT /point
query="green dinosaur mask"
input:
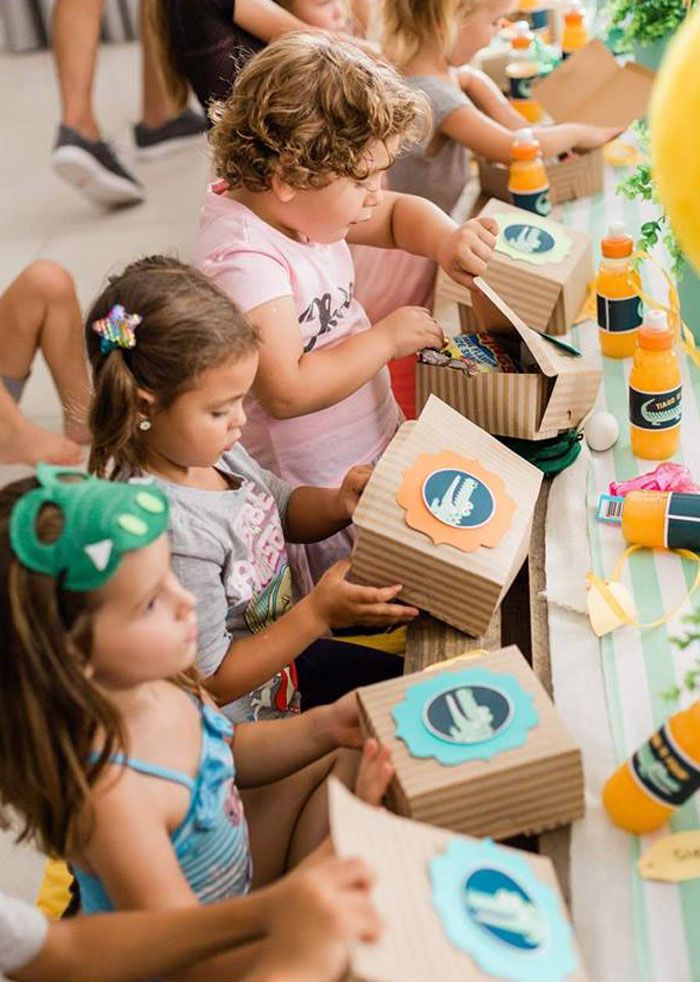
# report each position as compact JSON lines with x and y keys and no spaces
{"x":102,"y":520}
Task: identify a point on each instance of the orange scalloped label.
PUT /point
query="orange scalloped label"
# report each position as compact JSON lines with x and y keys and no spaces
{"x":454,"y":500}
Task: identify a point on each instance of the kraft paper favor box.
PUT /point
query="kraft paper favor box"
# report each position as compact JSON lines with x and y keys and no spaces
{"x":527,"y":789}
{"x":548,"y":295}
{"x":590,"y":87}
{"x":414,"y":945}
{"x":578,"y":176}
{"x":462,"y":588}
{"x":534,"y":405}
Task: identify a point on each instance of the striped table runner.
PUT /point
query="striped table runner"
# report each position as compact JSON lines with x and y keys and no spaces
{"x":634,"y":671}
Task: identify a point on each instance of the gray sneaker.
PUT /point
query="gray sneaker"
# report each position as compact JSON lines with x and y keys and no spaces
{"x":156,"y":141}
{"x":92,"y":167}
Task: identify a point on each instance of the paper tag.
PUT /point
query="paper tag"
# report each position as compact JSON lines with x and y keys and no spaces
{"x":456,"y":717}
{"x":455,"y":501}
{"x":438,"y":665}
{"x":673,"y":858}
{"x":492,"y":906}
{"x":531,"y":239}
{"x":610,"y":605}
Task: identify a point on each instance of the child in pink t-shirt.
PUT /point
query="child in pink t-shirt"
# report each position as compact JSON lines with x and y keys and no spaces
{"x":300,"y":145}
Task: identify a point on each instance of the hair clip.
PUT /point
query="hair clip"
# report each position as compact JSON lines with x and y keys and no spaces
{"x":117,"y":329}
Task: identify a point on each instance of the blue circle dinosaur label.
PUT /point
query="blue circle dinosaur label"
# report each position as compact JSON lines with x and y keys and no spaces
{"x":503,"y":909}
{"x":466,"y":714}
{"x":529,"y":239}
{"x":458,"y":499}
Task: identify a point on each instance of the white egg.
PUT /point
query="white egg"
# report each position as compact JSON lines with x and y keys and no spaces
{"x":602,"y":431}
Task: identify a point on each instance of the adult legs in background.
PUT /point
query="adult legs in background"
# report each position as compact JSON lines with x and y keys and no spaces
{"x":40,"y":310}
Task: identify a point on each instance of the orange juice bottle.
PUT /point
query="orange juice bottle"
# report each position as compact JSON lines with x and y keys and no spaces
{"x":537,"y":15}
{"x":655,"y":519}
{"x":645,"y":791}
{"x":618,"y":287}
{"x":522,"y":72}
{"x":528,"y":183}
{"x":655,"y":391}
{"x":575,"y":32}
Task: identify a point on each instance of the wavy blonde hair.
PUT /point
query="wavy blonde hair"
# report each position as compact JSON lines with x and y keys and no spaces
{"x":307,"y":109}
{"x":406,"y":25}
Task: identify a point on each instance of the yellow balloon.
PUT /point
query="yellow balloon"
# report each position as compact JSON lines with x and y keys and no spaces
{"x":675,"y":136}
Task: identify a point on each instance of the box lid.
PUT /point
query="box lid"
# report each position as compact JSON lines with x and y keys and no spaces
{"x":413,"y":945}
{"x":439,"y":427}
{"x":576,"y":378}
{"x":536,"y":287}
{"x":590,"y":87}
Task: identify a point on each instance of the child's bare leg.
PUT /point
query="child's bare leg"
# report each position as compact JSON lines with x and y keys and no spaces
{"x":40,"y":309}
{"x":289,"y":819}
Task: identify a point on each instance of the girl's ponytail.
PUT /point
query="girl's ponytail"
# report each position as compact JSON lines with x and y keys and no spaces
{"x":116,"y":444}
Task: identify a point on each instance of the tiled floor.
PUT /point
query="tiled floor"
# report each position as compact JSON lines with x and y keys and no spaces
{"x":40,"y":216}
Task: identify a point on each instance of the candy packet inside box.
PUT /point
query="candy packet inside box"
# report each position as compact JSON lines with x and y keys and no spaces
{"x":474,"y":354}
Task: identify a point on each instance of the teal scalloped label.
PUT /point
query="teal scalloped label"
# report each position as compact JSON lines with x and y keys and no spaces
{"x":493,"y":907}
{"x":532,"y":239}
{"x":474,"y":714}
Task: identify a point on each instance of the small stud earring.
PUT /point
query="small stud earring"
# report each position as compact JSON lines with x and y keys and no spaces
{"x":144,"y":424}
{"x":88,"y":670}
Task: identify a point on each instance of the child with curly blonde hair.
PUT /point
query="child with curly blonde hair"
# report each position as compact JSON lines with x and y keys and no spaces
{"x":431,"y":44}
{"x":300,"y":146}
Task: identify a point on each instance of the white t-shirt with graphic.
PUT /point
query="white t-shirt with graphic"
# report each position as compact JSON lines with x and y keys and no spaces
{"x":255,"y":263}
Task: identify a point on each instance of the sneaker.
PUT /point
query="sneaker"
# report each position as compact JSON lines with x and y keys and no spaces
{"x":155,"y":141}
{"x":92,"y":167}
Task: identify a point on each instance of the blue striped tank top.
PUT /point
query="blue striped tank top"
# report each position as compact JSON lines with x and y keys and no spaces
{"x":211,"y":843}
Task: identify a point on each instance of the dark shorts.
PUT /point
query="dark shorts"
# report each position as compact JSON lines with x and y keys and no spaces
{"x":328,"y":669}
{"x":209,"y":49}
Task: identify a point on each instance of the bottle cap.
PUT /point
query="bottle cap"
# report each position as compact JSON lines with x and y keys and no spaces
{"x":656,"y":321}
{"x":574,"y":11}
{"x":655,"y":334}
{"x":525,"y":145}
{"x":617,"y":244}
{"x":522,"y":35}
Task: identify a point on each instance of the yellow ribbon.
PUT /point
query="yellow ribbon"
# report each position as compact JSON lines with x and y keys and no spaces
{"x":672,"y":309}
{"x":602,"y":586}
{"x":680,"y":329}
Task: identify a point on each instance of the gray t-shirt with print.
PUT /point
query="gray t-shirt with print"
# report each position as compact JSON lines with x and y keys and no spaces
{"x":441,"y":176}
{"x":228,"y":549}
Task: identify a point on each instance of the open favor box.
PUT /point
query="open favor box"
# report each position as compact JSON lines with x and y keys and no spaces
{"x":453,"y":908}
{"x":478,"y":747}
{"x":448,"y":513}
{"x":554,"y":393}
{"x":577,"y":176}
{"x":539,"y":267}
{"x":589,"y":87}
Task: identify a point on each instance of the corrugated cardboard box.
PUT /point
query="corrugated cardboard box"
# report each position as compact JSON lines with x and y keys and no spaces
{"x":578,"y":176}
{"x":461,"y":588}
{"x":531,"y":405}
{"x":529,"y":789}
{"x":590,"y":87}
{"x":547,"y":297}
{"x":413,"y":946}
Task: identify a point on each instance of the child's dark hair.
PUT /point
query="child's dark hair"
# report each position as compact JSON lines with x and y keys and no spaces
{"x":50,"y":712}
{"x":188,"y":325}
